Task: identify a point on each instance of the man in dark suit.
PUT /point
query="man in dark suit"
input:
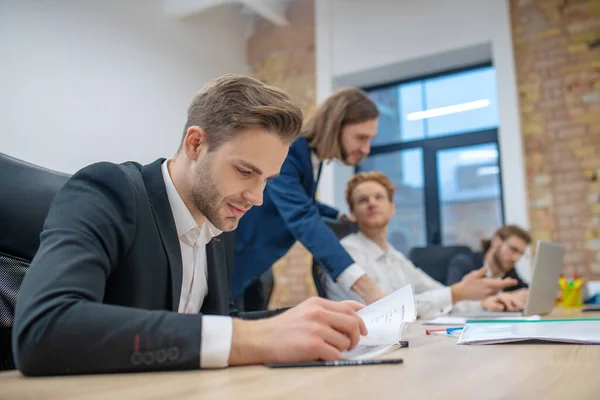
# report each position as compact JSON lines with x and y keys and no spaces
{"x":500,"y":255}
{"x":132,"y":270}
{"x":342,"y":128}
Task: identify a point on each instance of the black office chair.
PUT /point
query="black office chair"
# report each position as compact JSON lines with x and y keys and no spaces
{"x":341,"y":229}
{"x":257,"y":295}
{"x":434,"y":260}
{"x":26,"y":192}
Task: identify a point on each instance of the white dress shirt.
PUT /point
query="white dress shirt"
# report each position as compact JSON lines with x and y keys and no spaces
{"x":216,"y":330}
{"x":350,"y":275}
{"x":391,"y":270}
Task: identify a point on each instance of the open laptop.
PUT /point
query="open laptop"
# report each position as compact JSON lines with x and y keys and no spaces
{"x":543,"y":288}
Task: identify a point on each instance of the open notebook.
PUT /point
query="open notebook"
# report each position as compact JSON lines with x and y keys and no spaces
{"x":582,"y":331}
{"x":385,"y":320}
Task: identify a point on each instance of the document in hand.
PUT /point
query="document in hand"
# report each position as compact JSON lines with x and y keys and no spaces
{"x":582,"y":331}
{"x":385,"y":320}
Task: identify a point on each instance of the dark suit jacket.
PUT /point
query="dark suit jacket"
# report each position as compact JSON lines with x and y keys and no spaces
{"x":462,"y":264}
{"x":102,"y":292}
{"x":289,"y":213}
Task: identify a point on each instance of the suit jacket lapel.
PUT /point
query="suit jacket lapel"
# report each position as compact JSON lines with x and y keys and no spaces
{"x":316,"y":184}
{"x":311,"y":176}
{"x":216,"y":301}
{"x":157,"y":194}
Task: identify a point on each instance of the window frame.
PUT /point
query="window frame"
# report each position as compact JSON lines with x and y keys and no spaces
{"x":430,"y":147}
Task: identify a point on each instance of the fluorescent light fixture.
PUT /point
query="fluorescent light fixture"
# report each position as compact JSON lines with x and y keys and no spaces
{"x":483,"y":154}
{"x":491,"y":170}
{"x":456,"y":108}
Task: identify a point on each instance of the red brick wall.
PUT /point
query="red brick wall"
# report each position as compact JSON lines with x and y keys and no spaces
{"x":558,"y":72}
{"x":285,"y":57}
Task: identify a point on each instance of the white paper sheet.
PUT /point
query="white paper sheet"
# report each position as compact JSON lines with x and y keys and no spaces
{"x":385,"y":321}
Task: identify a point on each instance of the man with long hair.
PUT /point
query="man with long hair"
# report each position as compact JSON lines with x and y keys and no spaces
{"x":342,"y":128}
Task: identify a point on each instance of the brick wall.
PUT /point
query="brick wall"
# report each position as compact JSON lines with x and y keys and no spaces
{"x":285,"y":57}
{"x":557,"y":57}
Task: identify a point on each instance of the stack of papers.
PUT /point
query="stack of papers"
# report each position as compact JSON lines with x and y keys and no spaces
{"x":385,"y":319}
{"x":582,"y":331}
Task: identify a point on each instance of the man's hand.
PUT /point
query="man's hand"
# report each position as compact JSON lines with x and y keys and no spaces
{"x":506,"y":301}
{"x":475,"y":286}
{"x":316,"y":329}
{"x":368,"y":290}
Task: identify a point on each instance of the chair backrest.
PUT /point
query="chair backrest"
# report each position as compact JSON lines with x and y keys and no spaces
{"x":434,"y":260}
{"x":26,"y":192}
{"x":341,"y":229}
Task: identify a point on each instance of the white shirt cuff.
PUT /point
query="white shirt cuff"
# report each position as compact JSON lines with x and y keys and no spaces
{"x":215,"y":344}
{"x":349,"y":276}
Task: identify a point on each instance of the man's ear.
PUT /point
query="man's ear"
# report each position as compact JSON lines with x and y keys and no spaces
{"x":195,"y":142}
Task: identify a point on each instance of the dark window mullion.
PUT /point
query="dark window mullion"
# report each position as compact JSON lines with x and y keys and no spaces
{"x":431,"y":194}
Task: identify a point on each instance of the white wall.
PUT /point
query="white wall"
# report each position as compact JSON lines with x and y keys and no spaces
{"x":367,"y":42}
{"x":84,"y":81}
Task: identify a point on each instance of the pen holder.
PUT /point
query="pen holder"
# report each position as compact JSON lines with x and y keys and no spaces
{"x":571,"y":293}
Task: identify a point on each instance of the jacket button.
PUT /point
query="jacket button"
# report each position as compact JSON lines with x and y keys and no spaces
{"x":137,"y":358}
{"x":173,"y":354}
{"x":161,"y":356}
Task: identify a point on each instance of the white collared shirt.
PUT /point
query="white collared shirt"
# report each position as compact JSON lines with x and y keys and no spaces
{"x":350,"y":275}
{"x":216,"y":330}
{"x":316,"y":163}
{"x":391,"y":270}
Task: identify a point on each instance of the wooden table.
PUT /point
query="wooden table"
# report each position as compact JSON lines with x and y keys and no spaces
{"x":434,"y":368}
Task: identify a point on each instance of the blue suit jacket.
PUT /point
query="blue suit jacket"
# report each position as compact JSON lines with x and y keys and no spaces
{"x":289,"y":213}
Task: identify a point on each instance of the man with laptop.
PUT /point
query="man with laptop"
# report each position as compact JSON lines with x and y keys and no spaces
{"x":500,"y":255}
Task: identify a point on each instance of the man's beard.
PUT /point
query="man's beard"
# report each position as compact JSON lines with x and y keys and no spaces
{"x":207,"y":199}
{"x":345,"y":155}
{"x":379,"y":224}
{"x":205,"y":195}
{"x":498,"y":260}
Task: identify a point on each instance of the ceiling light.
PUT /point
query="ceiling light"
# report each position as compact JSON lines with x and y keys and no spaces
{"x":456,"y":108}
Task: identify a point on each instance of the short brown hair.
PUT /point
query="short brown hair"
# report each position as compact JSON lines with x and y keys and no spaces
{"x":233,"y":103}
{"x":371,"y":176}
{"x":324,"y":130}
{"x":504,"y":233}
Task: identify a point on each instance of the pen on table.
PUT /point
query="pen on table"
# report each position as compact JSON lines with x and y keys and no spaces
{"x":338,"y":363}
{"x":447,"y":330}
{"x":430,"y":331}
